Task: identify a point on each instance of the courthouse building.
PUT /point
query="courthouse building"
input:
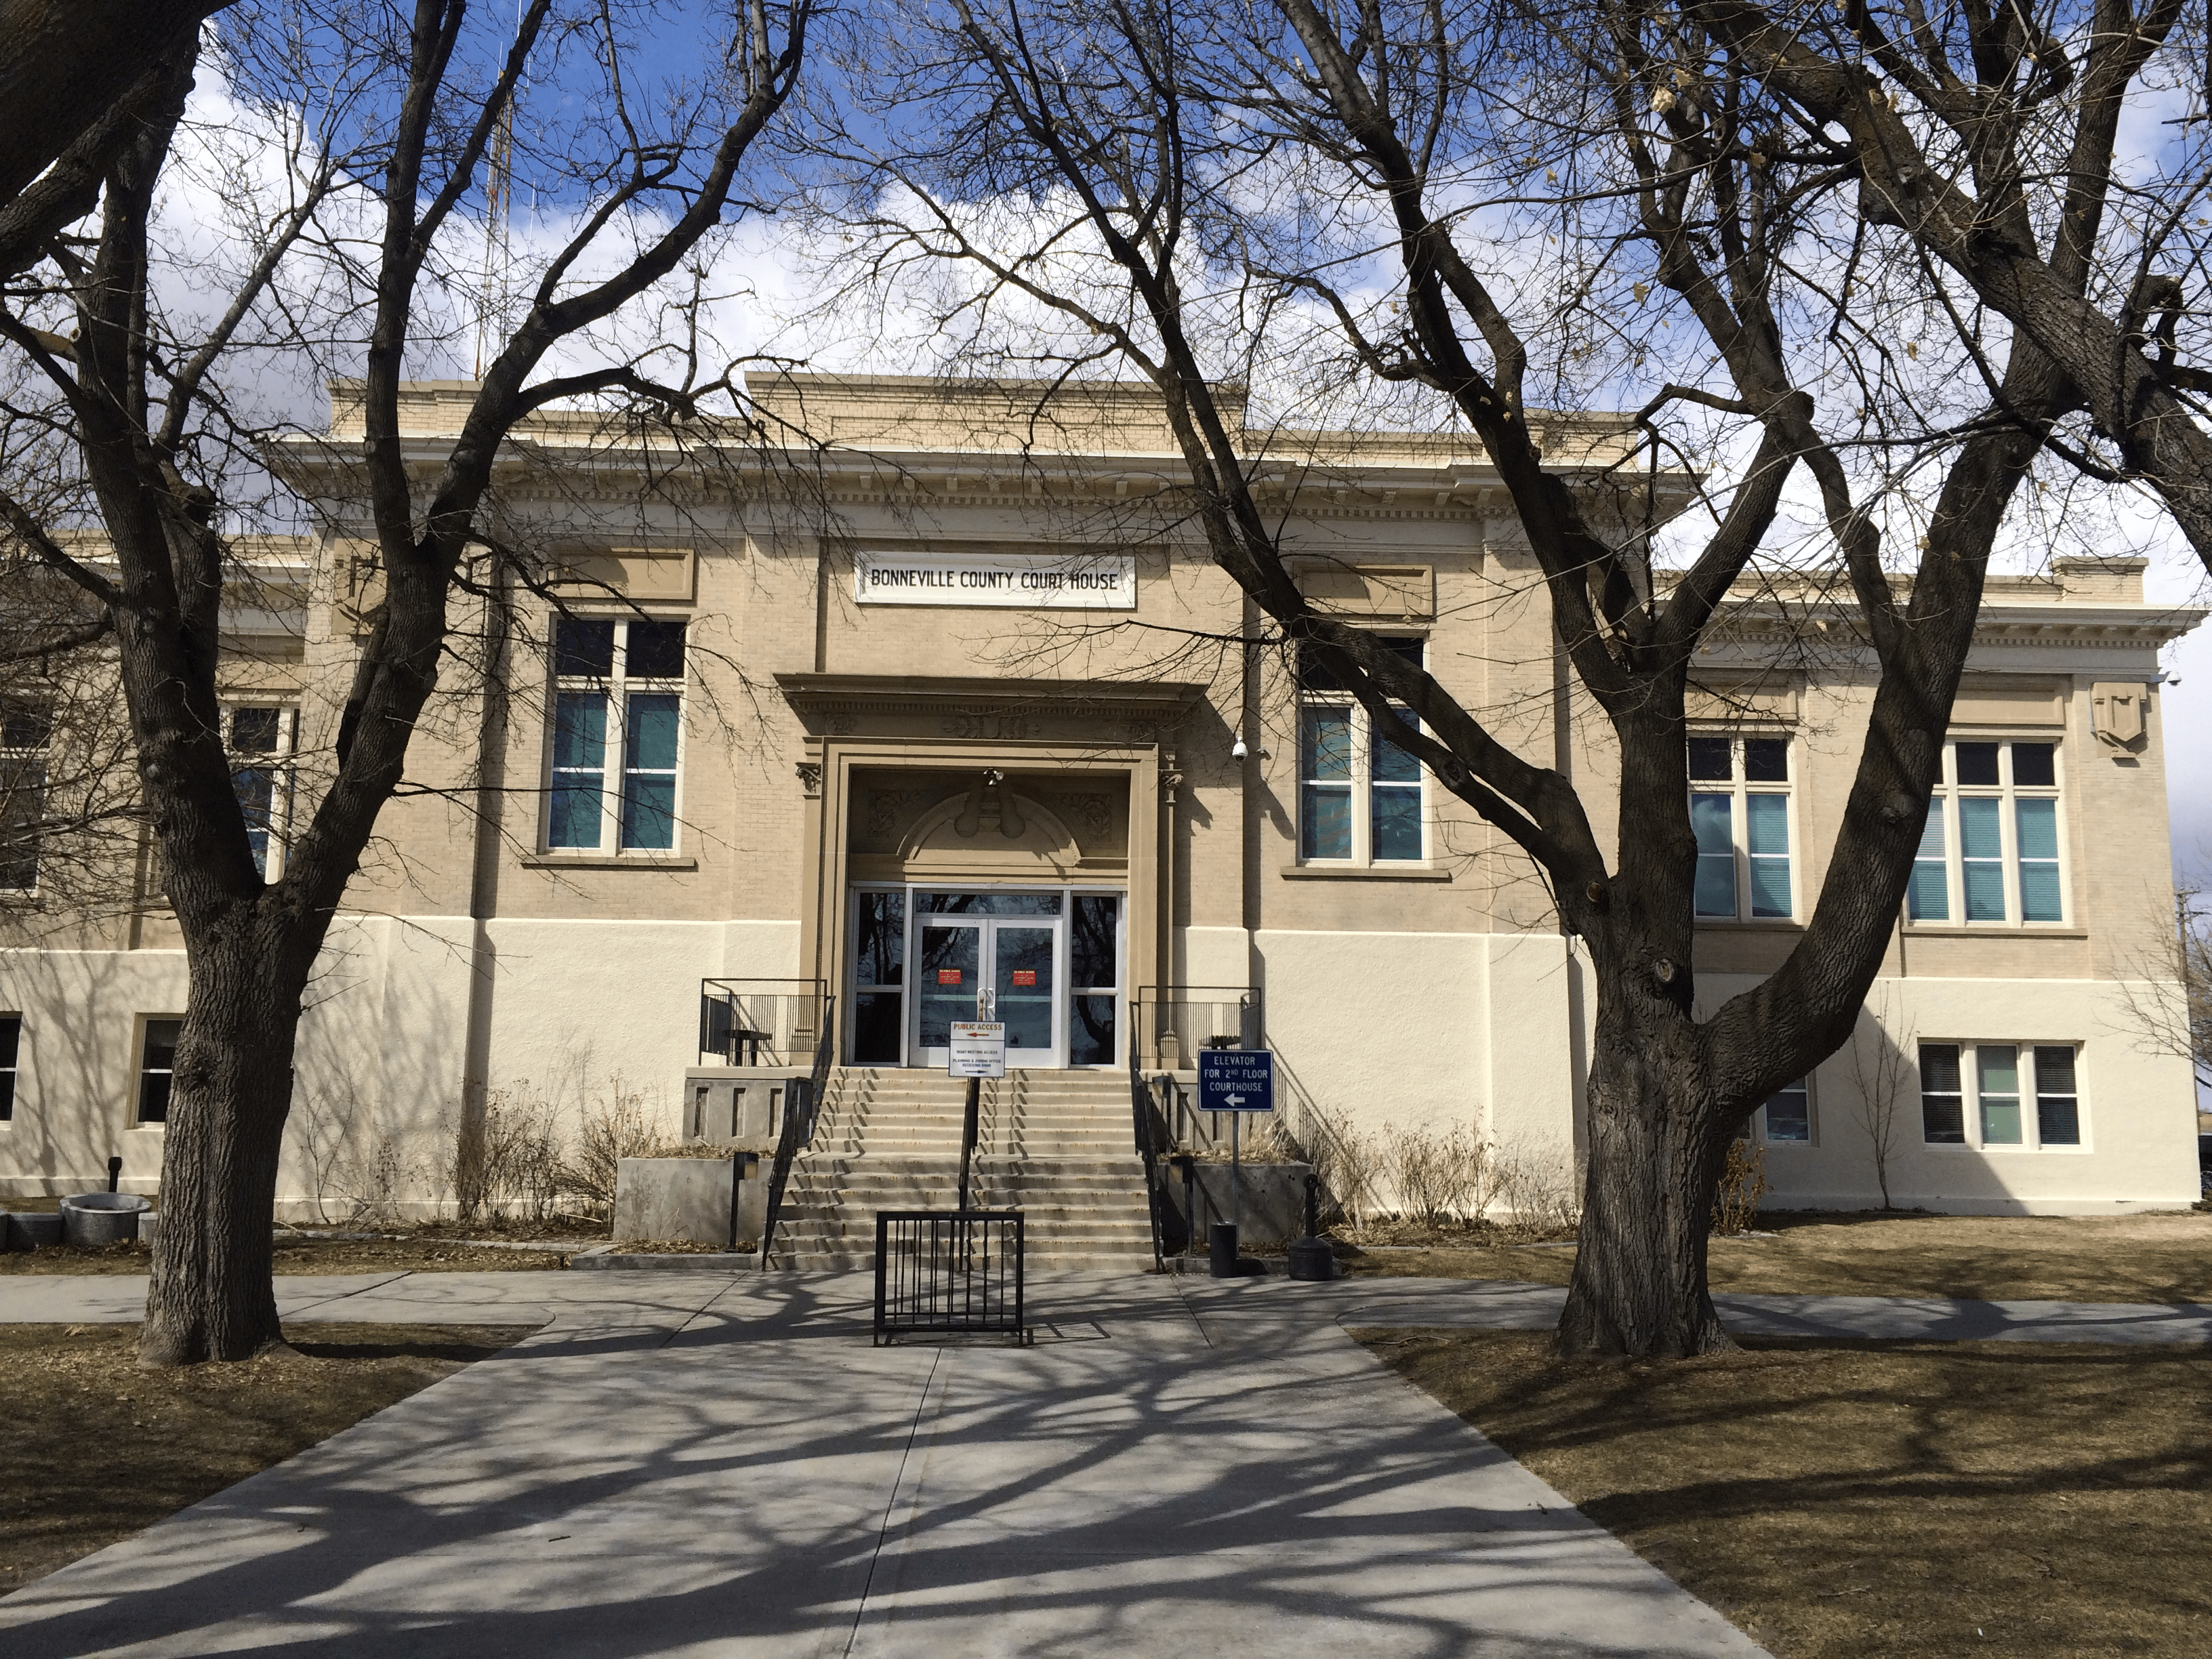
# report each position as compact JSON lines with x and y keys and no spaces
{"x":950,"y":716}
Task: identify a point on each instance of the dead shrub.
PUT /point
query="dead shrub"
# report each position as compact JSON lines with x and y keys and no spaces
{"x":1442,"y":1178}
{"x":615,"y":1127}
{"x":507,"y":1160}
{"x":1743,"y":1184}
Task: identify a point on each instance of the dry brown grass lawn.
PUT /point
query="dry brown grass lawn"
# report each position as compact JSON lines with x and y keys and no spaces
{"x":1858,"y":1500}
{"x":307,"y":1256}
{"x":434,"y":1247}
{"x":2164,"y":1257}
{"x":95,"y":1449}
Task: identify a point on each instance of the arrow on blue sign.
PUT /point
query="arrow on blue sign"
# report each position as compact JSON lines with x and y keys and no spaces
{"x":1236,"y":1080}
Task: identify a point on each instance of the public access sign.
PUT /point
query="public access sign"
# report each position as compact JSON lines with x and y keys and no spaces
{"x":977,"y":1049}
{"x":1236,"y":1080}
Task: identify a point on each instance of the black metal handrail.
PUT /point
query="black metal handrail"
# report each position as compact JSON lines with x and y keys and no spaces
{"x":802,"y":1113}
{"x":757,"y":1022}
{"x":950,"y":1272}
{"x":1149,"y":1145}
{"x":1169,"y":1023}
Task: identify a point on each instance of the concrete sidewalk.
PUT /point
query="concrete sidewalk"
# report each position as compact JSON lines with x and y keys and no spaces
{"x":647,"y":1302}
{"x":725,"y":1467}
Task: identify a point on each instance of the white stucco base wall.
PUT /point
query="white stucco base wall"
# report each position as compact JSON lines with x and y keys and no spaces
{"x":579,"y":1011}
{"x":77,"y":1067}
{"x":2137,"y":1109}
{"x":1427,"y":1029}
{"x":1489,"y":1032}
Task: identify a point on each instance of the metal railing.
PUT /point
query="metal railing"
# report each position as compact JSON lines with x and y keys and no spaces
{"x":762,"y":1022}
{"x":950,"y":1272}
{"x":1151,"y":1141}
{"x":1169,"y":1023}
{"x":802,"y":1114}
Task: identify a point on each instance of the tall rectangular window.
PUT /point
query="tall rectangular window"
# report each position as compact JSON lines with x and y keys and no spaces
{"x":26,"y":730}
{"x":1325,"y":782}
{"x":879,"y":976}
{"x":1942,"y":1096}
{"x":261,"y":739}
{"x":2001,"y":1096}
{"x":157,"y":1066}
{"x":1928,"y":894}
{"x":1361,"y":797}
{"x":1990,"y":854}
{"x":1739,"y":815}
{"x":1789,"y":1114}
{"x":1094,"y":979}
{"x":616,"y":735}
{"x":1997,"y":1077}
{"x":11,"y":1044}
{"x":2058,"y":1106}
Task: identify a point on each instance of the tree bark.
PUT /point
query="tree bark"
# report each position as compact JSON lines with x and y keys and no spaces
{"x":64,"y":64}
{"x":1656,"y":1147}
{"x":211,"y":1297}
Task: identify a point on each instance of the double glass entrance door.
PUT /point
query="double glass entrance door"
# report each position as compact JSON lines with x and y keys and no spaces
{"x":990,"y":967}
{"x":1046,"y":962}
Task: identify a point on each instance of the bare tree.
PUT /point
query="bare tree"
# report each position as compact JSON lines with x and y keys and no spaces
{"x":2165,"y":1000}
{"x":1883,"y":1075}
{"x":2018,"y":150}
{"x":396,"y":112}
{"x":1467,"y":195}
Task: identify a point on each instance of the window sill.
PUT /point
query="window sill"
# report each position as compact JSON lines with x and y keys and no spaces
{"x":602,"y":862}
{"x":1391,"y":872}
{"x":1995,"y":930}
{"x":1755,"y":925}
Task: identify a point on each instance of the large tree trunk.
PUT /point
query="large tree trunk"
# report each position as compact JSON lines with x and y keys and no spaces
{"x":1654,"y":1158}
{"x":211,"y":1296}
{"x":1656,"y":1133}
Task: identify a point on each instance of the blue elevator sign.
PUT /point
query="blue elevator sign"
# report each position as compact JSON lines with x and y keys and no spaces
{"x":1236,"y":1080}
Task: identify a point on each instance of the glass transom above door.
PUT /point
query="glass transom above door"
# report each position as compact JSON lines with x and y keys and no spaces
{"x":1047,"y":964}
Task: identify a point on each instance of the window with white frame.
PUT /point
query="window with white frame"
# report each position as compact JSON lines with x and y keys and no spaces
{"x":2000,"y":1095}
{"x":1360,"y":795}
{"x":1740,"y":811}
{"x":261,"y":739}
{"x":1990,"y":853}
{"x":26,"y":730}
{"x":617,"y":732}
{"x":1786,"y":1119}
{"x":157,"y":1066}
{"x":11,"y":1044}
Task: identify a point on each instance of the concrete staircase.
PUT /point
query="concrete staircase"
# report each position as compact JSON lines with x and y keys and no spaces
{"x":1054,"y":1145}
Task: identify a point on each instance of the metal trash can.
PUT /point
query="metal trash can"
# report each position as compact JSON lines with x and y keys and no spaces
{"x":90,"y":1220}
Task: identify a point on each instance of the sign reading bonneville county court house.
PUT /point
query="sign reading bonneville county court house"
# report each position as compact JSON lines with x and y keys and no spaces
{"x":1032,"y":582}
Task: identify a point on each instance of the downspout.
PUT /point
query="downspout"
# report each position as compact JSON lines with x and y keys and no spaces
{"x":484,"y":850}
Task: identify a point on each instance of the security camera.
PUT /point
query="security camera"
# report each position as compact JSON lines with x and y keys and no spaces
{"x":1237,"y":750}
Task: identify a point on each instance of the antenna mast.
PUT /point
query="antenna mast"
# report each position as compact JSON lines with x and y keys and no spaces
{"x":499,"y":202}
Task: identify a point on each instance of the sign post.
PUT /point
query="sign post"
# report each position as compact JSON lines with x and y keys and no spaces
{"x":1237,"y":1081}
{"x":975,"y":1049}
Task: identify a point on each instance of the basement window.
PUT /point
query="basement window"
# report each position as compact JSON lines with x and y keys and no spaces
{"x":11,"y":1042}
{"x":157,"y":1066}
{"x":2000,"y":1096}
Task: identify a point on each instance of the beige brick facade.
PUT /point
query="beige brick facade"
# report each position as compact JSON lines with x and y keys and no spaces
{"x":835,"y":745}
